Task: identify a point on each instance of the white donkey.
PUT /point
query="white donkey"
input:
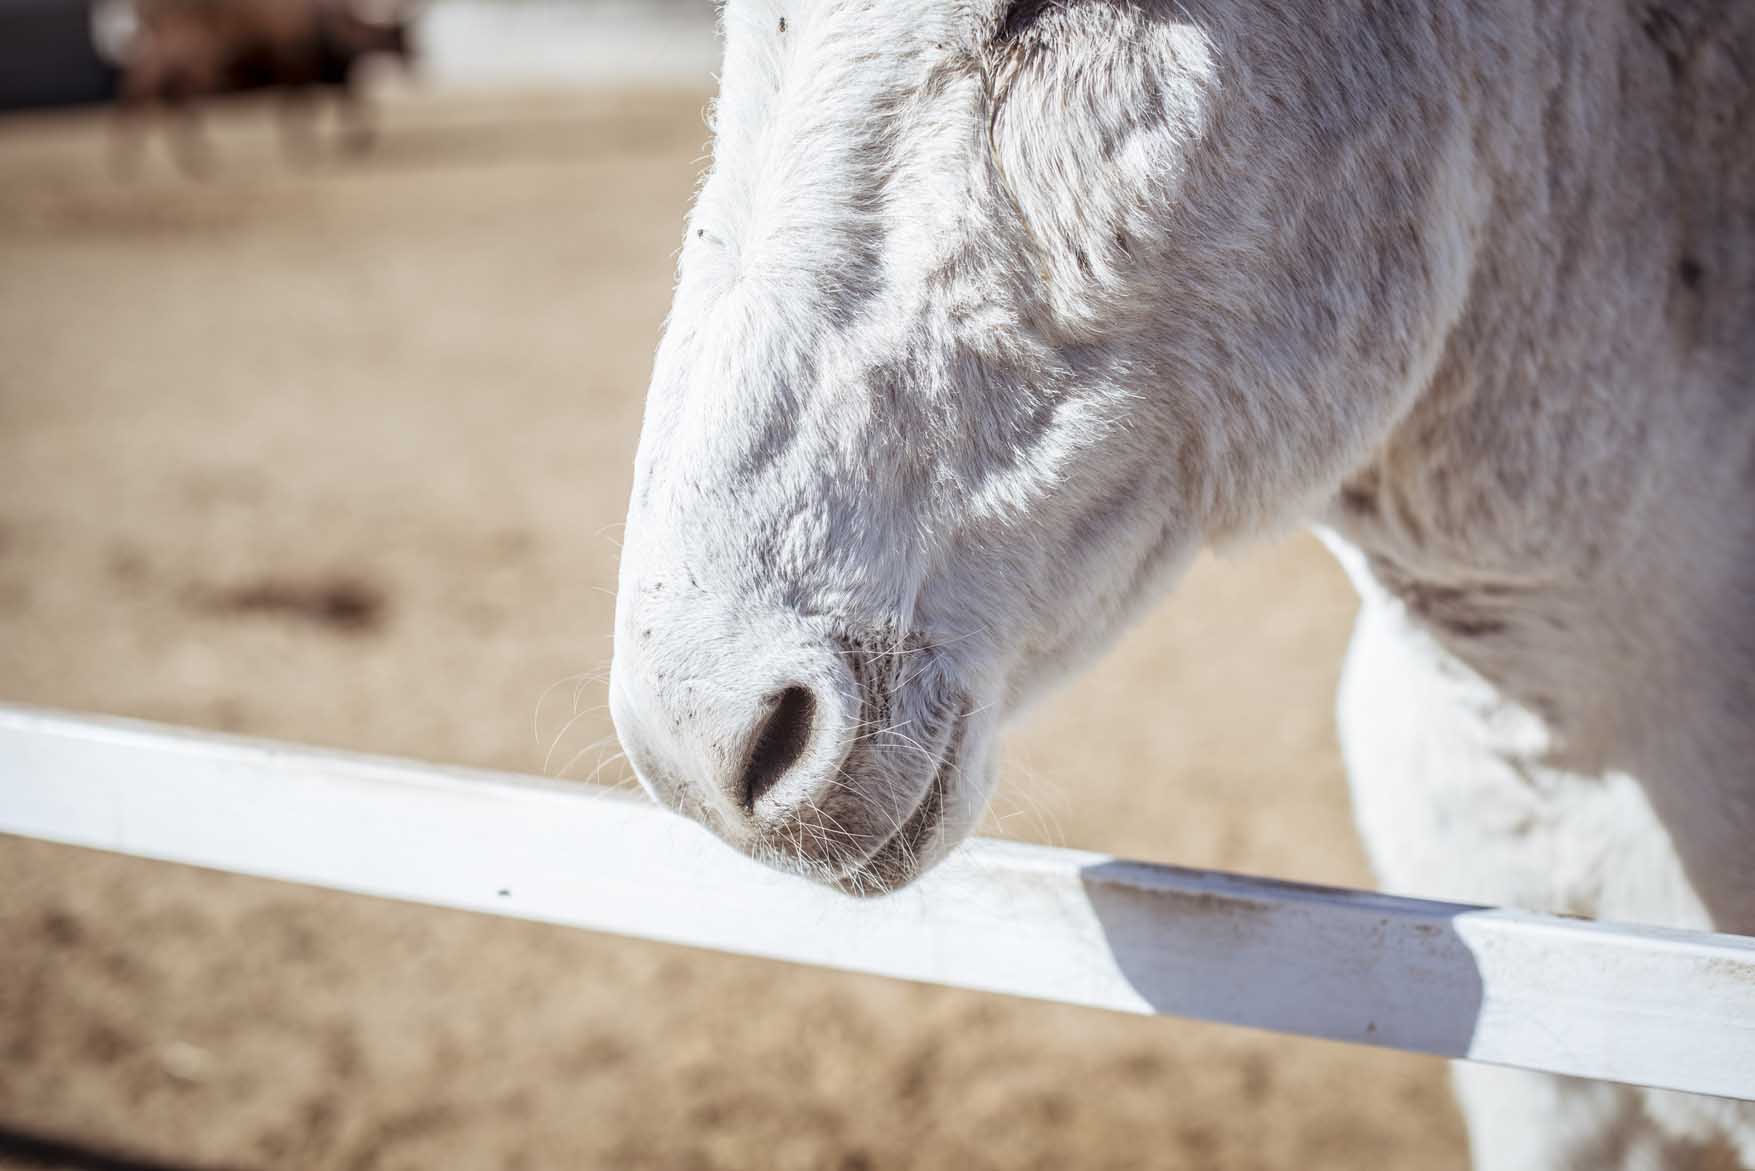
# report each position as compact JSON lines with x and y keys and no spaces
{"x":992,"y":312}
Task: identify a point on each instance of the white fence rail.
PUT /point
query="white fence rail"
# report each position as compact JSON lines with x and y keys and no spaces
{"x":1650,"y":1007}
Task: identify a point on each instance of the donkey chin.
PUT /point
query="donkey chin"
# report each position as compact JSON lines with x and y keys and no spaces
{"x":818,"y":755}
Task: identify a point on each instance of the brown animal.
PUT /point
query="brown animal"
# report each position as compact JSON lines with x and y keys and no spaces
{"x":183,"y":51}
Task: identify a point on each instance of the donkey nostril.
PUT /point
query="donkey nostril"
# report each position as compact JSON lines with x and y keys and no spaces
{"x":781,"y":742}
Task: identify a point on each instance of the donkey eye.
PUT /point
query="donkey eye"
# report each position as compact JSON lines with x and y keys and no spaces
{"x":1020,"y":17}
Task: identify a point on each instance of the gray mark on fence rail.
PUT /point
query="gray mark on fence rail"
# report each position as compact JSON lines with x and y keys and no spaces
{"x":1341,"y":957}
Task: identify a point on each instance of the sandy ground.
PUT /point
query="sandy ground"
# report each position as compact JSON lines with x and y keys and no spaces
{"x":338,"y":454}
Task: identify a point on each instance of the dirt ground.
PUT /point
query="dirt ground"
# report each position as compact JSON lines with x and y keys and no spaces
{"x":338,"y":453}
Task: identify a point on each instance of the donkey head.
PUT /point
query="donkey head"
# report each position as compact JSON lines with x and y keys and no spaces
{"x":988,"y":315}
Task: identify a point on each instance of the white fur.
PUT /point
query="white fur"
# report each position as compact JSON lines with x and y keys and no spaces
{"x":984,"y":325}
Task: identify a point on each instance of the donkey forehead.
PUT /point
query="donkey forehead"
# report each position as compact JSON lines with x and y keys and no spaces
{"x":861,"y":37}
{"x":858,"y":280}
{"x":828,"y":258}
{"x":882,"y":147}
{"x":833,"y":118}
{"x":796,"y":69}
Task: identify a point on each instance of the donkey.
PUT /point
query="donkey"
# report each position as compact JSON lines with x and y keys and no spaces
{"x":990,"y":313}
{"x":182,"y":51}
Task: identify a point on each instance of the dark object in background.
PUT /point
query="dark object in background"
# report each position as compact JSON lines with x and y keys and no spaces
{"x":48,"y":58}
{"x":182,"y":51}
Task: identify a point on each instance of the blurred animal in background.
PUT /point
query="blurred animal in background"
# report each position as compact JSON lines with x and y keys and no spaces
{"x":173,"y":54}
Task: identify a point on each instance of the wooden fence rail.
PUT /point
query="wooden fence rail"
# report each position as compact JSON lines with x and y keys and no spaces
{"x":1601,"y":1000}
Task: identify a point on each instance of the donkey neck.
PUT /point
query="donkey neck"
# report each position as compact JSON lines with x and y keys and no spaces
{"x":1567,"y":505}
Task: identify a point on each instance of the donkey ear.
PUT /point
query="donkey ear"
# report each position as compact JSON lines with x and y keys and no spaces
{"x":1019,"y":17}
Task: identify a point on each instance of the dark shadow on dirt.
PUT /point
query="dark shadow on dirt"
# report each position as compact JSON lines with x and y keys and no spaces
{"x":58,"y":1154}
{"x":514,"y":141}
{"x":340,"y":605}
